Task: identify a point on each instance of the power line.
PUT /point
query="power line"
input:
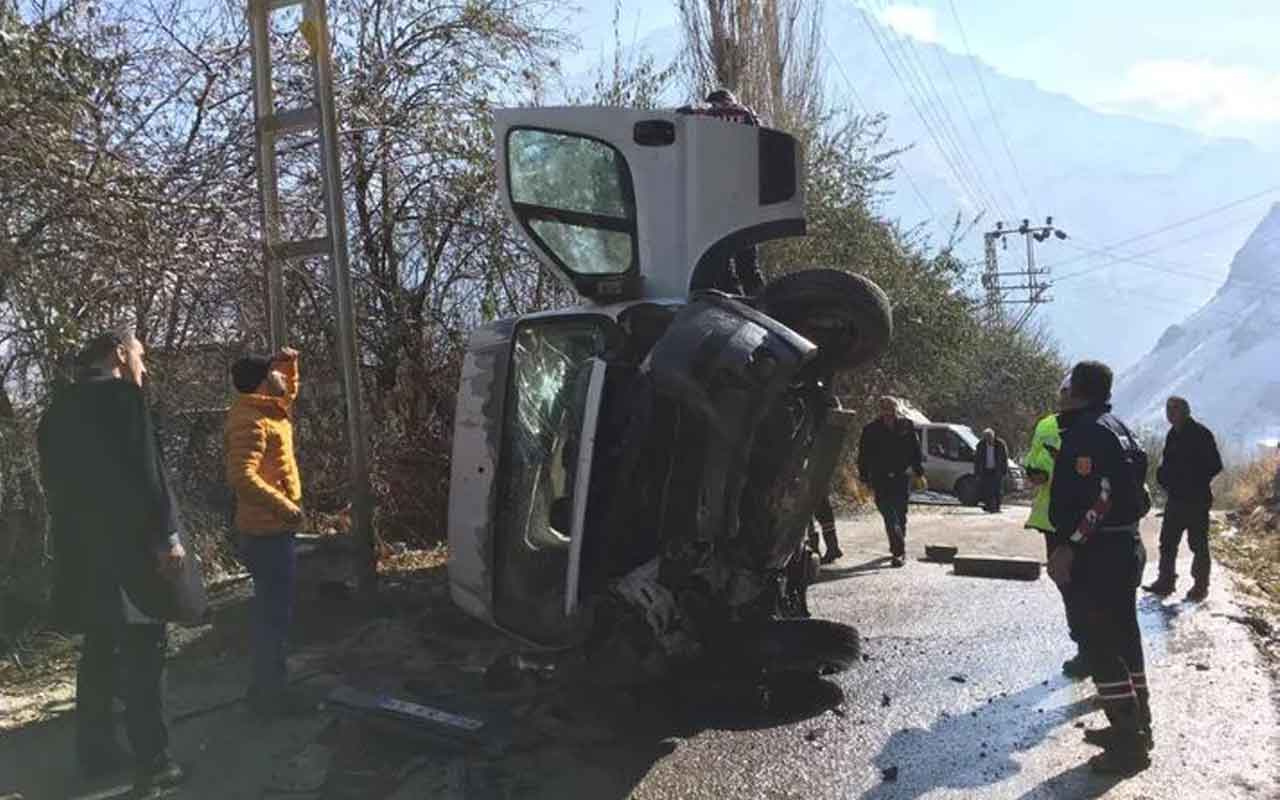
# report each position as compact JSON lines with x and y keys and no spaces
{"x":955,"y":171}
{"x":933,"y":217}
{"x":1137,"y":261}
{"x":973,"y":126}
{"x":1178,"y":224}
{"x":920,"y":89}
{"x":913,"y":63}
{"x":995,"y":120}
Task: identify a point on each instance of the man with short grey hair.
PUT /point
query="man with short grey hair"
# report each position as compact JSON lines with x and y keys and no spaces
{"x":888,"y":457}
{"x":1188,"y":466}
{"x":116,"y":554}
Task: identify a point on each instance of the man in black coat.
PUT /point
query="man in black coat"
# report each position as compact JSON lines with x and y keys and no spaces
{"x":1097,"y":500}
{"x":990,"y":463}
{"x":888,"y":456}
{"x":116,"y":554}
{"x":1188,"y":466}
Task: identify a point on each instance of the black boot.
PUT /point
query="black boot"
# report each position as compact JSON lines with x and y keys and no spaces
{"x":1076,"y":667}
{"x":1128,"y":759}
{"x":1198,"y":592}
{"x":1109,"y":737}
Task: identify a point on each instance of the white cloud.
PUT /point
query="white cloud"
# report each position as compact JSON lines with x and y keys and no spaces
{"x":1215,"y":95}
{"x":914,"y":21}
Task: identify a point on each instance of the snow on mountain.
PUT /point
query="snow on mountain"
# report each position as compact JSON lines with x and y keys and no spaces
{"x":1224,"y":358}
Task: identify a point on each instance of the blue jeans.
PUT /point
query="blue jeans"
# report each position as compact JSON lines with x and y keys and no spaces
{"x":272,"y":561}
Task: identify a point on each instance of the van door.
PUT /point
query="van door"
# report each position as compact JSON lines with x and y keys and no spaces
{"x":622,"y":204}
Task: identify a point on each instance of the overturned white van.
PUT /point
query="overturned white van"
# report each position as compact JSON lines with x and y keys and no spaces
{"x":643,"y":466}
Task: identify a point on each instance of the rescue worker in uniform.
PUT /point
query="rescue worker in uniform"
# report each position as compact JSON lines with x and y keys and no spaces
{"x":1097,"y":499}
{"x":741,"y":273}
{"x":1046,"y":441}
{"x":1189,"y":464}
{"x":888,"y":458}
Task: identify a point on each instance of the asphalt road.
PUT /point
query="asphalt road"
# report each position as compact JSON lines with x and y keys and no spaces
{"x":976,"y":705}
{"x":961,"y":694}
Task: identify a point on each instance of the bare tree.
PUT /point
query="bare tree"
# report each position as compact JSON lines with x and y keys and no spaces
{"x":768,"y":52}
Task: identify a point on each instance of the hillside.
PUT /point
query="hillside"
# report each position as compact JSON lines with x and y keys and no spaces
{"x":1223,"y":357}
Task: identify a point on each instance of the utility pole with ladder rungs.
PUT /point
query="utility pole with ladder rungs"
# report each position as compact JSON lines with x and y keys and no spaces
{"x":321,"y":118}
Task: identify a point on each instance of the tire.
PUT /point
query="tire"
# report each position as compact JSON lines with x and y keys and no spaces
{"x":967,"y":490}
{"x":847,"y":316}
{"x":814,"y":646}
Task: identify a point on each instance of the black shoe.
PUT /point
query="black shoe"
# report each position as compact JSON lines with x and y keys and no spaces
{"x":1198,"y":593}
{"x":897,"y":561}
{"x":1120,"y":761}
{"x":831,"y":556}
{"x":1076,"y":666}
{"x":280,"y":704}
{"x":162,"y":773}
{"x":1162,"y":587}
{"x":1106,"y":738}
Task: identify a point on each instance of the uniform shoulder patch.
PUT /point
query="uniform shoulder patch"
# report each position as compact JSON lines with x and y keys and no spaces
{"x":1084,"y":466}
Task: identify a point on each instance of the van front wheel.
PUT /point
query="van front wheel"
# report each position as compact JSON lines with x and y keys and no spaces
{"x":967,"y":490}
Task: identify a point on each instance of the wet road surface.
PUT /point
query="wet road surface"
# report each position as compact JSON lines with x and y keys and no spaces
{"x":961,"y":696}
{"x":976,"y":704}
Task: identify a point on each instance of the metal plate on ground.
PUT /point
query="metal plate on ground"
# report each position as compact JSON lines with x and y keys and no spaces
{"x":427,"y":720}
{"x":1018,"y":569}
{"x":940,"y":553}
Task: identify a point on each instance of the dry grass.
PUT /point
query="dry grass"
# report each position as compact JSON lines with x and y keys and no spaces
{"x":1250,"y":544}
{"x":1252,"y":485}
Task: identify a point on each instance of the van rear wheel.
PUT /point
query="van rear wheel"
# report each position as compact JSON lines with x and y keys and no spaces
{"x":846,"y":315}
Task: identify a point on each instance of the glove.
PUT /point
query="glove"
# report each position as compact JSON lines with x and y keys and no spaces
{"x":919,"y":483}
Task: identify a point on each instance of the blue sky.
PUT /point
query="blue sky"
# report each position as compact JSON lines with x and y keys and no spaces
{"x":1210,"y":66}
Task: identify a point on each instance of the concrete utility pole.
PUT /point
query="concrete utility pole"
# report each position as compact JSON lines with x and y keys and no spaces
{"x":1022,"y":287}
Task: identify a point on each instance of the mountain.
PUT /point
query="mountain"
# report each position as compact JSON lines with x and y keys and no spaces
{"x":1104,"y":177}
{"x":1223,"y":358}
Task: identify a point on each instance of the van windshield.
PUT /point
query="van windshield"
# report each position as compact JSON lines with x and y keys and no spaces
{"x":966,"y":434}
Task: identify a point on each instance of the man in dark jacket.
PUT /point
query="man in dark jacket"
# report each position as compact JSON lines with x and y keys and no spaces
{"x":116,"y":549}
{"x":1189,"y":464}
{"x":888,"y":456}
{"x":1097,"y":499}
{"x":990,"y":463}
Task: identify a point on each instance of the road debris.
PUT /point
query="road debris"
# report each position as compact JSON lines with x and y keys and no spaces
{"x":1025,"y":569}
{"x":940,"y":553}
{"x":958,"y":679}
{"x":890,"y":774}
{"x":885,"y":700}
{"x":434,"y":723}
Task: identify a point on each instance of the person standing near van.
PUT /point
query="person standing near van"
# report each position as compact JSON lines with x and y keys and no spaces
{"x":991,"y":463}
{"x":1190,"y":463}
{"x":888,"y":457}
{"x":263,"y":471}
{"x":117,"y":547}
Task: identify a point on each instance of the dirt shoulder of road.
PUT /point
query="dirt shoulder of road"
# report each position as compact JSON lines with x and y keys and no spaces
{"x":1248,"y":543}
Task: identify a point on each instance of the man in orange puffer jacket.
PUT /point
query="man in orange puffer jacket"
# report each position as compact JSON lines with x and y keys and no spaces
{"x":263,"y":472}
